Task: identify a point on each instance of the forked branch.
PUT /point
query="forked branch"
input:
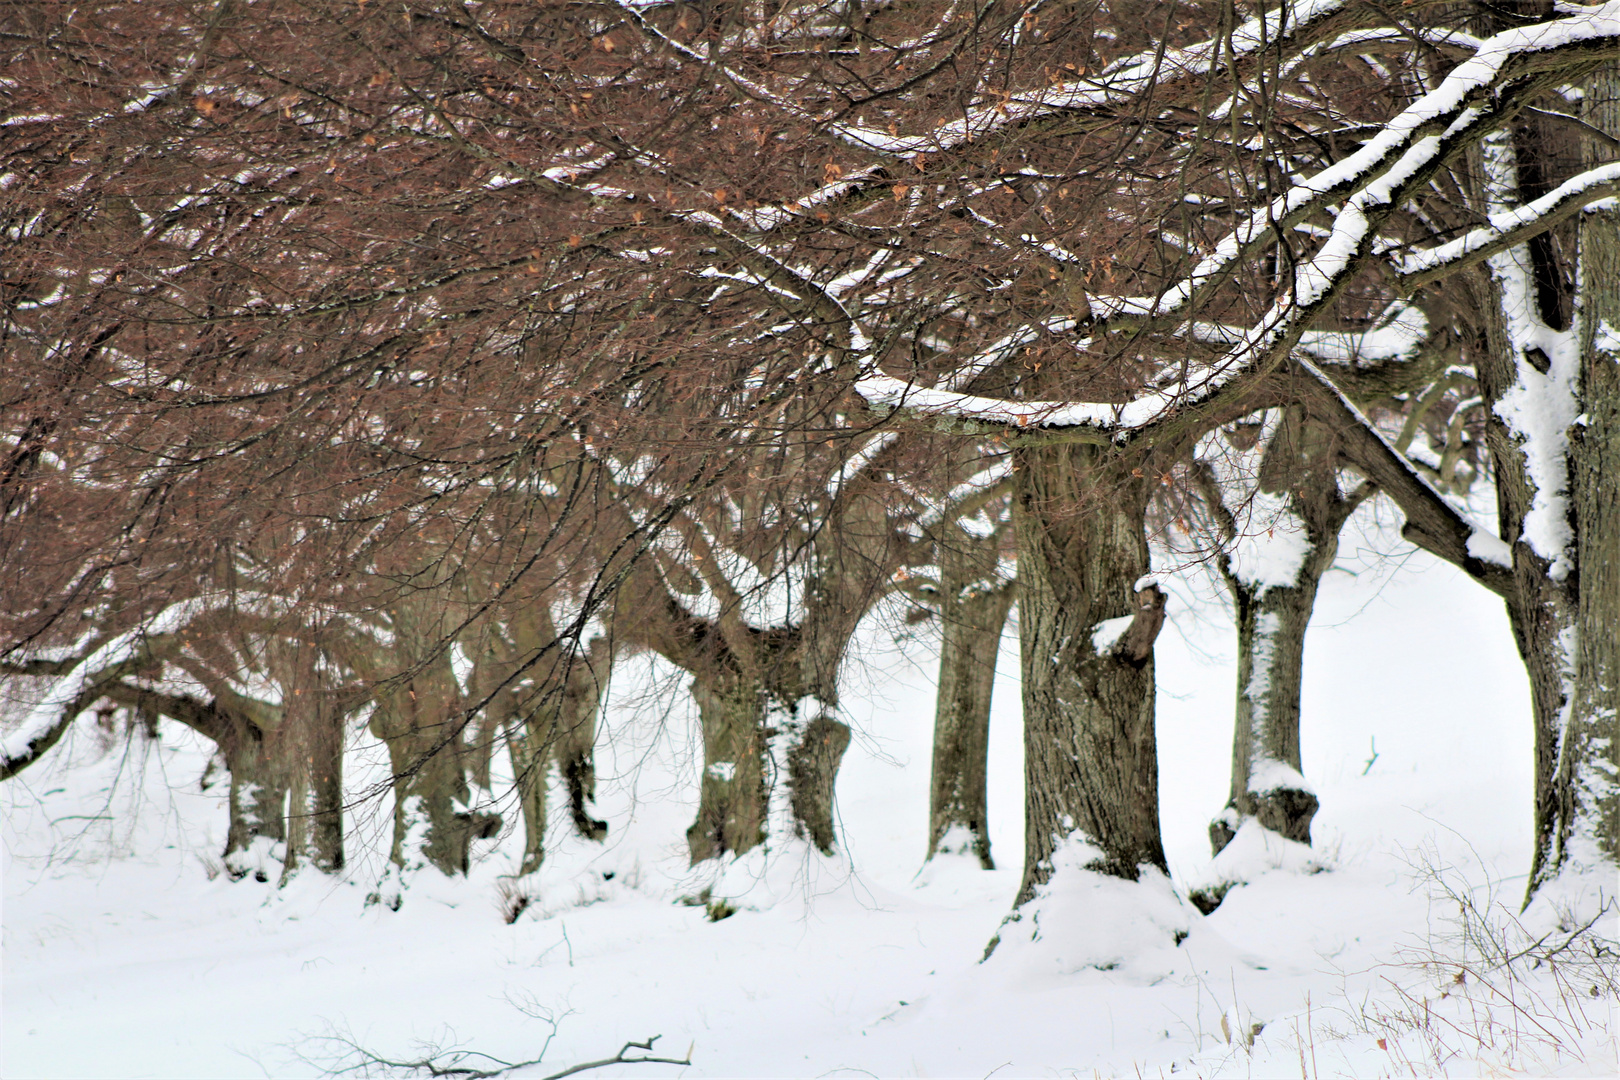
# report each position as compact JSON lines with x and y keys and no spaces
{"x":357,"y":1059}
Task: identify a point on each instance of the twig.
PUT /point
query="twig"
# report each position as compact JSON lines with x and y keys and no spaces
{"x":448,"y":1064}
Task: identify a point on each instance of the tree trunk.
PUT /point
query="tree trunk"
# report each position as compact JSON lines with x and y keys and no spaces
{"x":1091,"y":766}
{"x":1587,"y":781}
{"x":852,"y":555}
{"x":324,"y":836}
{"x":1268,"y":784}
{"x":528,"y":743}
{"x":1540,"y":607}
{"x":419,"y":719}
{"x":311,"y":746}
{"x":814,"y":752}
{"x":257,"y":832}
{"x":576,"y":736}
{"x":973,"y":611}
{"x":733,"y":801}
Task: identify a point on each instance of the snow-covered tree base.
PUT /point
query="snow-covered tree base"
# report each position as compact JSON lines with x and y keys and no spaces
{"x":1254,"y":850}
{"x":262,"y":859}
{"x":791,"y":865}
{"x":1081,"y":918}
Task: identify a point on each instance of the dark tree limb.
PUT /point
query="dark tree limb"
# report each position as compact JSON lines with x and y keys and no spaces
{"x":447,"y":1063}
{"x":1431,"y":523}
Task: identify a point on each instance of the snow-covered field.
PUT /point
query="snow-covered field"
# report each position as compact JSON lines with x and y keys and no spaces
{"x":126,"y":953}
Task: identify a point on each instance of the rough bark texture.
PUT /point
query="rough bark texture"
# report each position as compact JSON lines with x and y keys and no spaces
{"x":851,"y":559}
{"x":1271,"y":627}
{"x":1091,"y":768}
{"x":430,"y":789}
{"x":740,"y":672}
{"x":973,"y":610}
{"x":732,"y":802}
{"x":1588,"y":774}
{"x":1301,"y":463}
{"x":1539,"y":609}
{"x":812,"y":764}
{"x":526,"y":741}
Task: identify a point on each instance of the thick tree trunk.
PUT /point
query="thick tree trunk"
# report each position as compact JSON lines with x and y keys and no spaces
{"x":560,"y":726}
{"x":1587,"y":781}
{"x":1534,"y":282}
{"x":431,"y":826}
{"x":1091,"y":766}
{"x":256,"y":833}
{"x":323,"y":844}
{"x":851,"y":557}
{"x":546,"y":715}
{"x":973,"y":611}
{"x":1539,"y":608}
{"x":733,"y":799}
{"x":813,"y":754}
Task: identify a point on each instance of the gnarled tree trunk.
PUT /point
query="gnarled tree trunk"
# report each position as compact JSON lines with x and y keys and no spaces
{"x":576,"y":735}
{"x":1541,"y":608}
{"x":546,"y":715}
{"x":257,"y":831}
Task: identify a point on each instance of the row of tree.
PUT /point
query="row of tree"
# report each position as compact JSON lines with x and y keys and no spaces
{"x":402,"y":363}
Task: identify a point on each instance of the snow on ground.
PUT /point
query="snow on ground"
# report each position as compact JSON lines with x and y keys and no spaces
{"x":126,"y":953}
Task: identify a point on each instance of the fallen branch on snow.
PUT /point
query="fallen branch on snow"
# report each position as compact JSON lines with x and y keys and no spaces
{"x":359,"y":1060}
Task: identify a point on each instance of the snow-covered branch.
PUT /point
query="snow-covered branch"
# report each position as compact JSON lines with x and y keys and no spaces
{"x":75,"y":691}
{"x":1509,"y":227}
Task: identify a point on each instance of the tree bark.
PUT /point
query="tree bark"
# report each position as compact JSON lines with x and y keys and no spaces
{"x":973,"y":610}
{"x":733,"y":800}
{"x":528,"y":744}
{"x":576,"y":741}
{"x":742,"y":674}
{"x":258,"y":802}
{"x":418,"y":713}
{"x":1587,"y":781}
{"x":1271,"y":650}
{"x":311,"y":748}
{"x":1539,"y":609}
{"x":1091,"y":766}
{"x":1268,"y":782}
{"x":431,"y":823}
